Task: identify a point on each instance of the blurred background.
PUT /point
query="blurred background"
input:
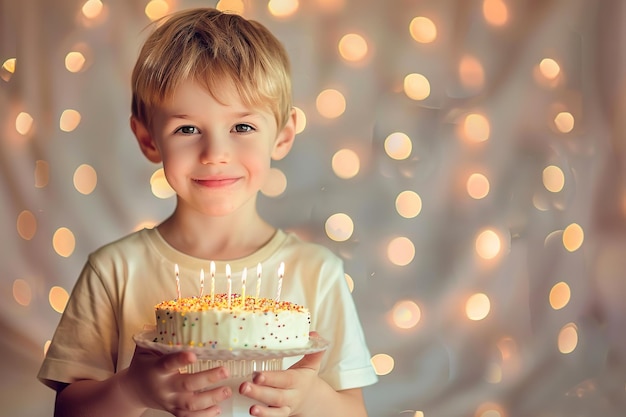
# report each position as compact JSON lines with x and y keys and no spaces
{"x":465,"y":158}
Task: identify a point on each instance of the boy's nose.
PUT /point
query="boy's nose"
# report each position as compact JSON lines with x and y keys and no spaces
{"x":214,"y":151}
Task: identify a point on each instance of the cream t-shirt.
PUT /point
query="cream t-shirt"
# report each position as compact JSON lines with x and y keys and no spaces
{"x":115,"y":295}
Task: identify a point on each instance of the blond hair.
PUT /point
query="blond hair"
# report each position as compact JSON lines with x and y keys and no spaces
{"x":212,"y":48}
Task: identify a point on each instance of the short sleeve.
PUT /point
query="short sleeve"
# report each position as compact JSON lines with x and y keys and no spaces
{"x":84,"y":344}
{"x":347,"y":362}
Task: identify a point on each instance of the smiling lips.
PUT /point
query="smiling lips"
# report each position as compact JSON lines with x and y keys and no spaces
{"x":217,"y":182}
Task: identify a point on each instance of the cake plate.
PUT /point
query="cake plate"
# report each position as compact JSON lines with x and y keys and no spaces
{"x":239,"y":362}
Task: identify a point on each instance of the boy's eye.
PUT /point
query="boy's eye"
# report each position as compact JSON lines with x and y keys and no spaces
{"x":187,"y":130}
{"x":243,"y":128}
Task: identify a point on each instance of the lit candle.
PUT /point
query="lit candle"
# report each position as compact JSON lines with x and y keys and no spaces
{"x":281,"y":273}
{"x":212,"y":272}
{"x":201,"y":281}
{"x":244,"y":275}
{"x":177,"y":273}
{"x":230,"y":283}
{"x":258,"y":283}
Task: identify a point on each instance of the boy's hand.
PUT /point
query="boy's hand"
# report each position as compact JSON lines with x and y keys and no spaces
{"x":286,"y":393}
{"x":155,"y":381}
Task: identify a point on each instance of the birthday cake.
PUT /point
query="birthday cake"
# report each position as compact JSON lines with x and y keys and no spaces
{"x":217,"y":322}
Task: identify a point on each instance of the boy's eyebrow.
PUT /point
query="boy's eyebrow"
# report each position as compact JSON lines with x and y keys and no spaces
{"x":236,"y":114}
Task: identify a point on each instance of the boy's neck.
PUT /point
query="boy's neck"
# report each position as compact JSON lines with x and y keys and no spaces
{"x":216,"y":238}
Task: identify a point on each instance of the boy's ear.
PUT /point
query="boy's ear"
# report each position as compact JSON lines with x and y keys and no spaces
{"x":285,"y":138}
{"x":144,"y":138}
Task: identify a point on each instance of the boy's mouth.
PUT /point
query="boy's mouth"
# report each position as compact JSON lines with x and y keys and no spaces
{"x":216,"y":182}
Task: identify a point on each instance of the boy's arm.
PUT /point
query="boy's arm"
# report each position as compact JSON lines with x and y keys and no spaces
{"x":151,"y":381}
{"x":97,"y":398}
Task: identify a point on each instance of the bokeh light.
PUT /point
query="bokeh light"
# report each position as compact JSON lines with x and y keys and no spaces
{"x":549,"y":68}
{"x":85,"y":179}
{"x":159,"y":185}
{"x":476,"y":128}
{"x":58,"y":298}
{"x":406,"y":314}
{"x":22,"y":293}
{"x":231,"y":6}
{"x":75,"y":61}
{"x":156,"y":9}
{"x":7,"y":69}
{"x":471,"y":72}
{"x":564,"y":122}
{"x":553,"y":178}
{"x":423,"y":30}
{"x":339,"y":227}
{"x":416,"y":86}
{"x":346,"y":163}
{"x":573,"y":237}
{"x":496,"y":12}
{"x":92,"y":9}
{"x":383,"y":364}
{"x":300,"y":120}
{"x":70,"y":119}
{"x":490,"y":409}
{"x":353,"y":47}
{"x":63,"y":242}
{"x":560,"y":295}
{"x":401,"y":251}
{"x":398,"y":145}
{"x":330,"y":103}
{"x":477,"y":186}
{"x":477,"y":306}
{"x":488,"y":244}
{"x":283,"y":8}
{"x":568,"y":338}
{"x":349,"y":281}
{"x":23,"y":123}
{"x":276,"y":183}
{"x":26,"y":225}
{"x":408,"y":204}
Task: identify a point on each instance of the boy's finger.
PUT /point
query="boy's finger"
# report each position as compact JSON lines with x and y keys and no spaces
{"x":175,"y":361}
{"x":311,"y":361}
{"x":202,"y":381}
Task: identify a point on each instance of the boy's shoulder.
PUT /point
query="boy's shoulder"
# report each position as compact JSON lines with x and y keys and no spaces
{"x":130,"y":243}
{"x":309,"y":250}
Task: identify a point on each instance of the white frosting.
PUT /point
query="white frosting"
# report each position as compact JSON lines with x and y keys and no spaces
{"x":199,"y":323}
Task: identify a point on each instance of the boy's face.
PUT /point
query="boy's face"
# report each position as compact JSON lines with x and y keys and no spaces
{"x":216,"y":154}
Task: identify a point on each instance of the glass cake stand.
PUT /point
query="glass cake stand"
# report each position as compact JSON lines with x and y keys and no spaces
{"x":241,"y":364}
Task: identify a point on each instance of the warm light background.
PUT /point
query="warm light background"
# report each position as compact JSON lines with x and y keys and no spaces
{"x":465,"y":158}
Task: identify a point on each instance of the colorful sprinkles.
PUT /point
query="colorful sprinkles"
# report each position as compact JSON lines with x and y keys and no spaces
{"x":176,"y":322}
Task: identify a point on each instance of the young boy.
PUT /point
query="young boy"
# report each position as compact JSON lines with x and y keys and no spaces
{"x":212,"y":103}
